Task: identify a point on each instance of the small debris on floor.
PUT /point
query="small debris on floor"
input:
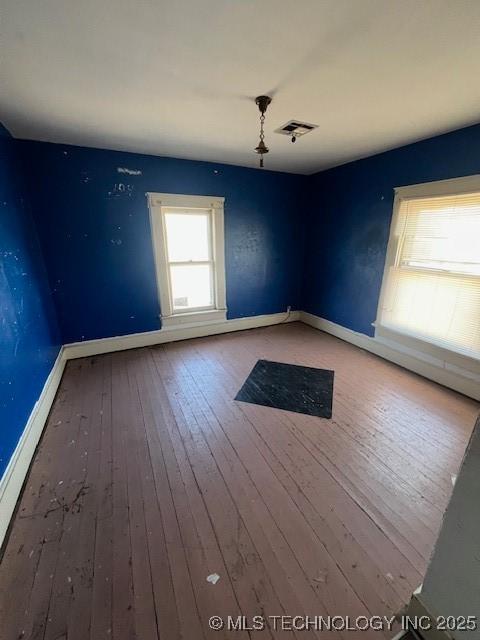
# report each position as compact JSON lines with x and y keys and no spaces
{"x":454,"y":479}
{"x":389,"y":577}
{"x":213,"y":578}
{"x":321,"y":577}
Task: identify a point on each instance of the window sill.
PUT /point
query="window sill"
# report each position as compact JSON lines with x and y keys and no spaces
{"x":428,"y":352}
{"x":194,"y":319}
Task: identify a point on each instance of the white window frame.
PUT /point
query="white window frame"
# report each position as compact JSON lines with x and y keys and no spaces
{"x":395,"y":338}
{"x":158,"y":203}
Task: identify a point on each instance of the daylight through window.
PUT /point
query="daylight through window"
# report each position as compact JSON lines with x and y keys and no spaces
{"x":432,"y":287}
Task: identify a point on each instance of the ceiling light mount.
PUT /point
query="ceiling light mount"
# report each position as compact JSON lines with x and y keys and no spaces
{"x":262,"y":102}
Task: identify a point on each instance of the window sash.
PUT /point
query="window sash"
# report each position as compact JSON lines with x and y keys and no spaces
{"x":177,"y":310}
{"x":189,"y":262}
{"x":206,"y":213}
{"x":211,"y":261}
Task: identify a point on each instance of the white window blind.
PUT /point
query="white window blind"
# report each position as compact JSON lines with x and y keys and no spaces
{"x":432,"y":288}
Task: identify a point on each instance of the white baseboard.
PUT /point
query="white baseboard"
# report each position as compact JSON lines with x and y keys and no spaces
{"x":12,"y":481}
{"x":458,"y":380}
{"x":149,"y":338}
{"x":16,"y":471}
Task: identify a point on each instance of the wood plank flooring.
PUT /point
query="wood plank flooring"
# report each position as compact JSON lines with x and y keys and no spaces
{"x":150,"y":477}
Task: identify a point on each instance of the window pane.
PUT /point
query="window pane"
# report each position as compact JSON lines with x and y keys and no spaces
{"x":188,"y":236}
{"x":191,"y":286}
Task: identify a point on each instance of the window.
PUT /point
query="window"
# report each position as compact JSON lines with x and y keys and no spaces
{"x":189,"y":253}
{"x":431,"y":285}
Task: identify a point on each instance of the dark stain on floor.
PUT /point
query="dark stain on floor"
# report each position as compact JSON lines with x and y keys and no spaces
{"x":290,"y":387}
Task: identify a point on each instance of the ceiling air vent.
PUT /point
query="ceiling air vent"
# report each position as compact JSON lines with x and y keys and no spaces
{"x":295,"y":128}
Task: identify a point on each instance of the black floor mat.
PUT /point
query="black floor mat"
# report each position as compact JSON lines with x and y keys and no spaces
{"x":289,"y":386}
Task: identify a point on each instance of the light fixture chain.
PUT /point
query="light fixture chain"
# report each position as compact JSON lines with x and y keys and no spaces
{"x":261,"y":148}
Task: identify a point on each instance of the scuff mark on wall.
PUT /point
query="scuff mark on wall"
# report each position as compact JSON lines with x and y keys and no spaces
{"x":130,"y":172}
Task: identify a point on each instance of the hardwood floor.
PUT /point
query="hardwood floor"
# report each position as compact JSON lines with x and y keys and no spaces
{"x":150,"y":477}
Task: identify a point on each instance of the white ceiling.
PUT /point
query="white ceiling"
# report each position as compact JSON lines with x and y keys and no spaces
{"x":178,"y":77}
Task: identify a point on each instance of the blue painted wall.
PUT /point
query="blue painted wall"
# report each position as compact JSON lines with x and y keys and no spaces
{"x":349,"y":219}
{"x":29,"y":337}
{"x":94,"y":227}
{"x":328,"y":231}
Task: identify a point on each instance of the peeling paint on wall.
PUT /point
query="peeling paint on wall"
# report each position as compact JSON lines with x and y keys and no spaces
{"x":120,"y":189}
{"x":29,"y":337}
{"x":130,"y":172}
{"x":108,"y":276}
